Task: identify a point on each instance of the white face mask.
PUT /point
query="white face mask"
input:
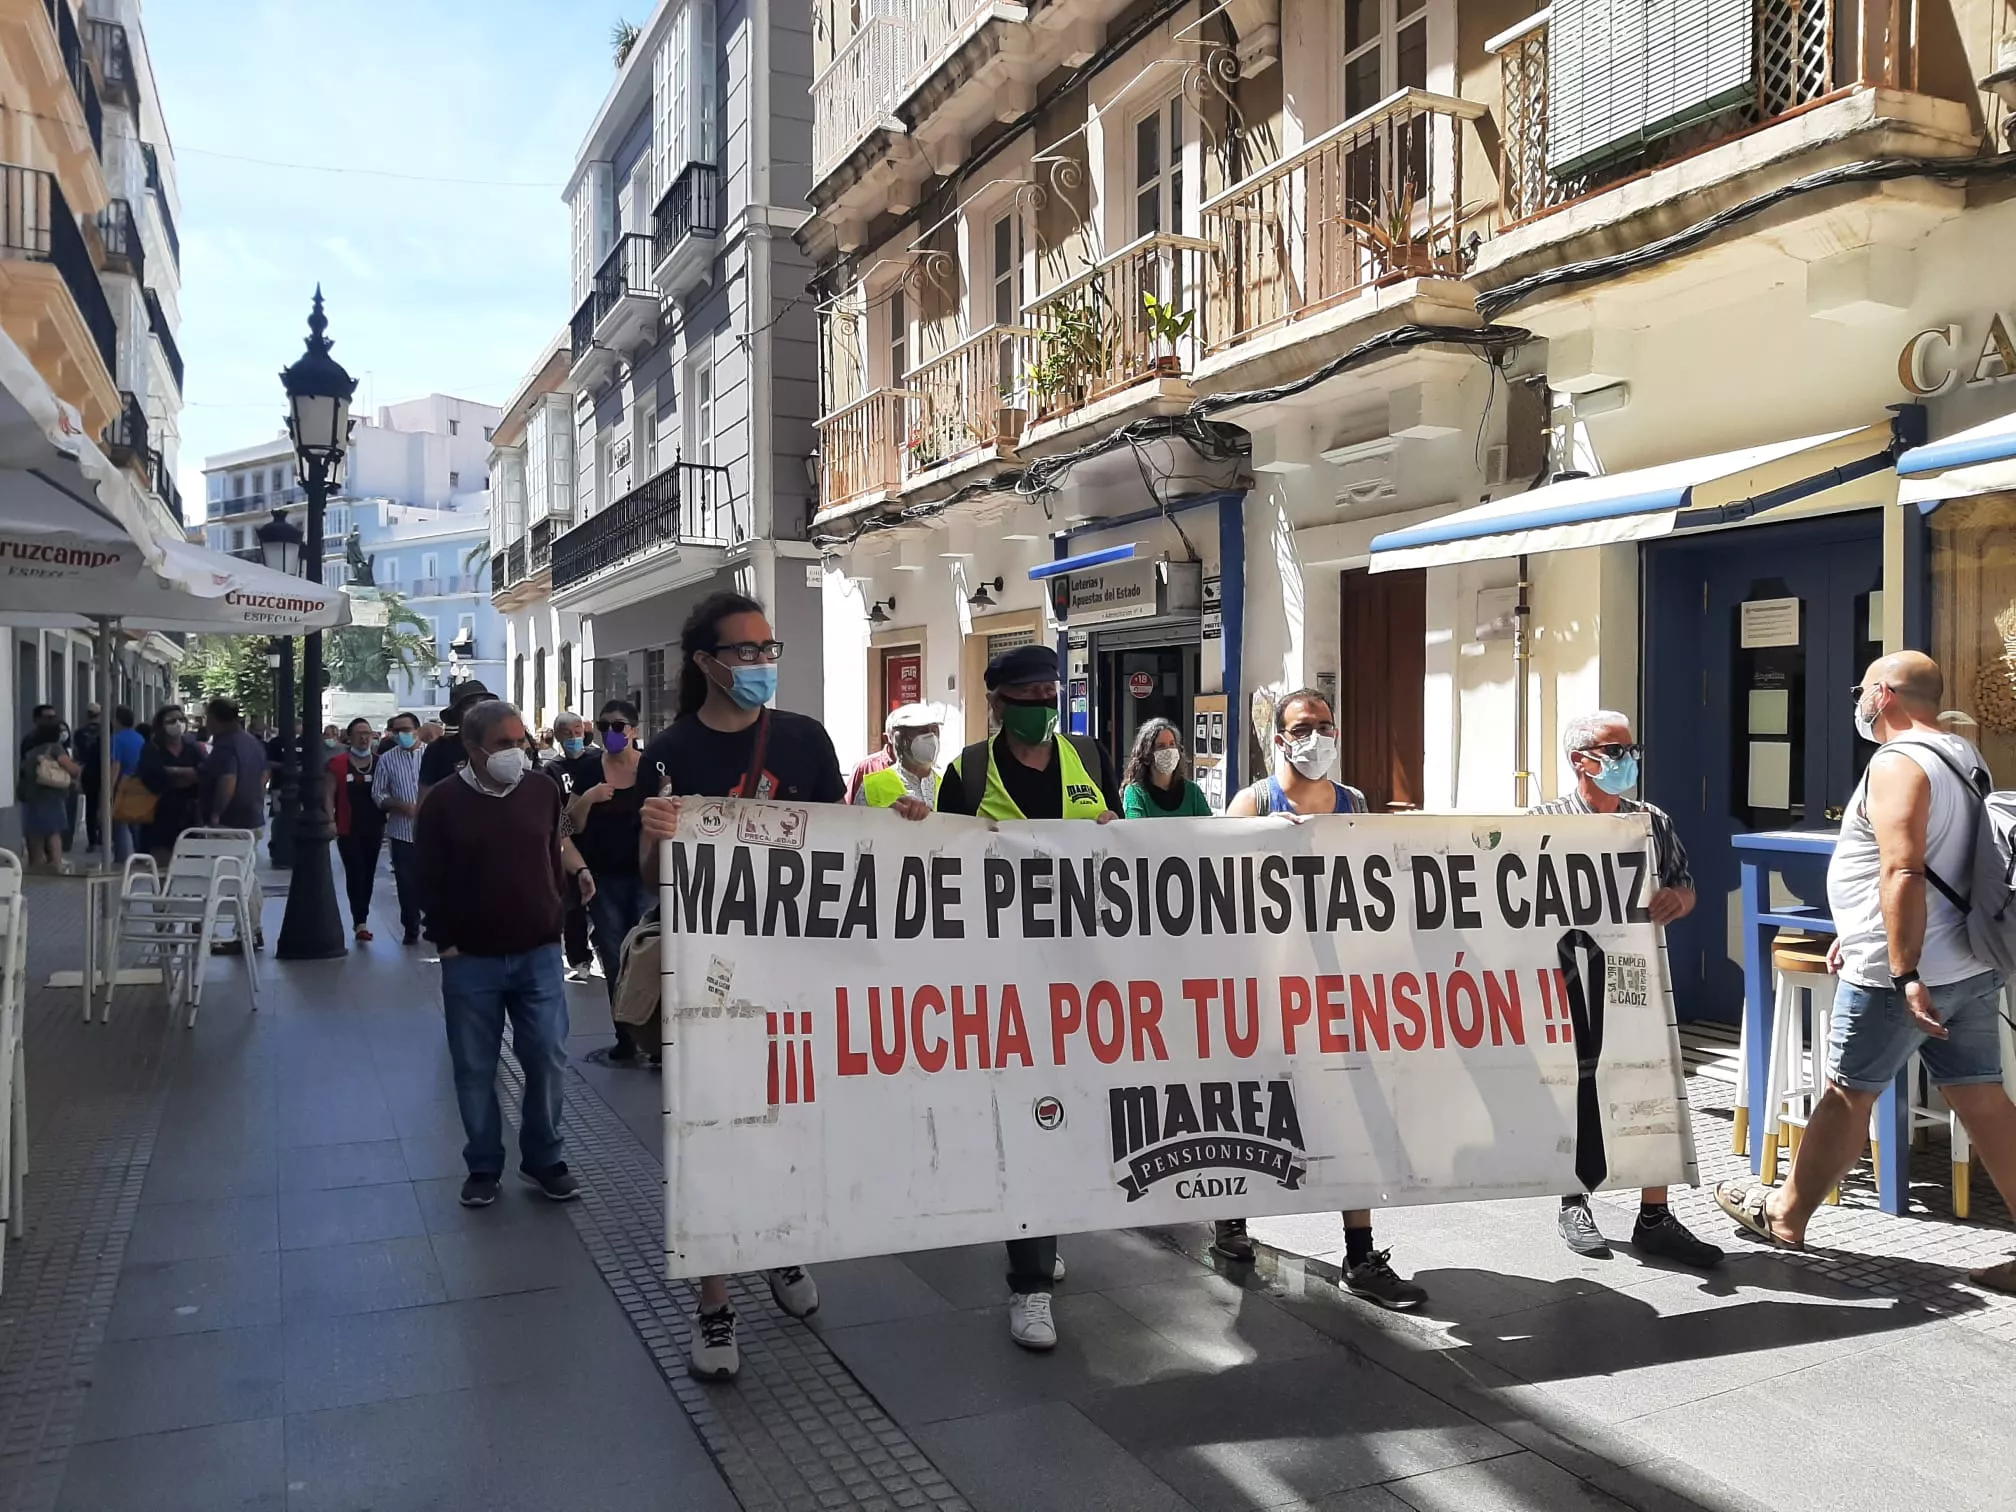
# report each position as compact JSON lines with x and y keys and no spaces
{"x":1865,"y":725}
{"x":923,"y":750}
{"x":1313,"y":755}
{"x":507,"y":766}
{"x":1167,"y":760}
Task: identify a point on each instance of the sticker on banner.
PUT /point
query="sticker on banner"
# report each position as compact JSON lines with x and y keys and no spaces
{"x":713,"y":820}
{"x":775,"y":825}
{"x":720,"y":975}
{"x":1049,"y":1113}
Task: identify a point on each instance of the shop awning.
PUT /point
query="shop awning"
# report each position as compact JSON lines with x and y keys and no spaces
{"x":1977,"y":461}
{"x":1813,"y":475}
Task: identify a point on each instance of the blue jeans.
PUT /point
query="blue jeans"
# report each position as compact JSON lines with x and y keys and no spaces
{"x":1874,"y":1035}
{"x":618,"y":904}
{"x":478,"y":994}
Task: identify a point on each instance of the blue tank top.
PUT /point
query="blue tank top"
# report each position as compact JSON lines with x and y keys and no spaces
{"x":1272,"y":799}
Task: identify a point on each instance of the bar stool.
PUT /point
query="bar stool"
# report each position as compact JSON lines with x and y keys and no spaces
{"x":1963,"y":1148}
{"x":1796,"y":1068}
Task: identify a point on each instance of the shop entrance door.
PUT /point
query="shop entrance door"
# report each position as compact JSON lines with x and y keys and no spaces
{"x":1152,"y":682}
{"x":1753,"y":638}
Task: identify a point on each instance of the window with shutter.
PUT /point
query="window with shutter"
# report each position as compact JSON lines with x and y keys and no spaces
{"x":1607,"y":96}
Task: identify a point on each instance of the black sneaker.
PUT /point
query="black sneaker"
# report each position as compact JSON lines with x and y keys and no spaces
{"x":412,"y":937}
{"x":1670,"y":1239}
{"x":624,"y":1051}
{"x":556,"y":1181}
{"x":1376,"y":1281}
{"x":479,"y":1190}
{"x":1229,"y":1241}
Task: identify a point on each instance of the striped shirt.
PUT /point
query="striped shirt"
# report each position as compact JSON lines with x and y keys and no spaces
{"x":397,"y":779}
{"x":1668,"y":853}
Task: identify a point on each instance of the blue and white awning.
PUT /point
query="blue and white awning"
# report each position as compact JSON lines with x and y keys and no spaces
{"x":1977,"y":461}
{"x":1821,"y":474}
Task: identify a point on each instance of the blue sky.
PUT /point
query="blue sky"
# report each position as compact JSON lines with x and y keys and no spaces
{"x":430,"y":285}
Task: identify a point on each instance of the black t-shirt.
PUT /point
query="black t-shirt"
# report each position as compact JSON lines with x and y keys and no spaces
{"x":799,"y":765}
{"x":581,"y":772}
{"x":1040,"y":795}
{"x":439,"y":761}
{"x":610,"y":840}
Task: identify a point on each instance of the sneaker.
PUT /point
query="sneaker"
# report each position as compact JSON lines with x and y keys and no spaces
{"x":556,"y":1181}
{"x":794,"y":1291}
{"x":1579,"y":1231}
{"x":1057,"y":1268}
{"x":577,"y":974}
{"x":713,"y":1356}
{"x":1376,"y":1281}
{"x":412,"y":937}
{"x":1229,"y":1241}
{"x":1669,"y":1238}
{"x":479,"y":1189}
{"x":1029,"y":1320}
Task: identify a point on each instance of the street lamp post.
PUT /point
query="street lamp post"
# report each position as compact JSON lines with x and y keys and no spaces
{"x":280,"y":549}
{"x":318,"y":417}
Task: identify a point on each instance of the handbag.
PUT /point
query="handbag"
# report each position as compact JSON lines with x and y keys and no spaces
{"x":49,"y":773}
{"x":639,"y":982}
{"x":133,"y":802}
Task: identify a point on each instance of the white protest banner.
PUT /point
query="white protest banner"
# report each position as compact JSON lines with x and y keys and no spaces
{"x":888,"y":1035}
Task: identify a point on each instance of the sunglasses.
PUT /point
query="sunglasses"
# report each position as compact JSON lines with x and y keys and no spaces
{"x":1859,"y":689}
{"x":749,"y":653}
{"x":606,"y":725}
{"x":1613,"y":751}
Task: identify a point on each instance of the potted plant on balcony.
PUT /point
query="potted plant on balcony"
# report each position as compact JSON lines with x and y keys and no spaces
{"x":924,"y":448}
{"x":1076,"y":350}
{"x":1167,"y":326}
{"x":1398,"y":247}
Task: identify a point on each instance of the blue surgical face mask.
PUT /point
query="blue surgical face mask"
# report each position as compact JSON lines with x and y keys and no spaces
{"x":1619,"y":776}
{"x":407,"y":739}
{"x":573,"y":745}
{"x":753,"y":687}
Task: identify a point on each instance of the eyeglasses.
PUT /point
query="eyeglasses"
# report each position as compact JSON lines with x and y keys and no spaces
{"x":1859,"y":689}
{"x":1614,"y":751}
{"x":748,"y":653}
{"x":1304,"y":731}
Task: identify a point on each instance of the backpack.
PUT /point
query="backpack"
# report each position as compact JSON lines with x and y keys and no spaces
{"x":1989,"y":904}
{"x":974,"y":759}
{"x":637,"y":978}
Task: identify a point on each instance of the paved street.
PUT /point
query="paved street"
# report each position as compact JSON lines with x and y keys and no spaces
{"x":247,"y":1285}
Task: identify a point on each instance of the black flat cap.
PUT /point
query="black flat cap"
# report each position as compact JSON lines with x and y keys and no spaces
{"x":1025,"y":664}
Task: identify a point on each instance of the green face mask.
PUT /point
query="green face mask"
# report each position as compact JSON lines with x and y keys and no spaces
{"x":1032,"y":724}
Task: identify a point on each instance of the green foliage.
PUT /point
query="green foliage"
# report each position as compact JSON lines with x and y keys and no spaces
{"x":1166,"y":323}
{"x":362,"y":658}
{"x":1076,"y":349}
{"x":234,"y":667}
{"x":622,"y":37}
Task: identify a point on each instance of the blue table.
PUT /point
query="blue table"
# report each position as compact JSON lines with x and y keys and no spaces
{"x":1762,"y":855}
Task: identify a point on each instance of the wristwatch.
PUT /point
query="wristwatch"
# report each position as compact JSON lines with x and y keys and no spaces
{"x":1902,"y":979}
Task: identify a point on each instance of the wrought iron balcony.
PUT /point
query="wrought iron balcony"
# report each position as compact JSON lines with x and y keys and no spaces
{"x":497,"y":565}
{"x":861,"y":447}
{"x":112,"y":57}
{"x":160,"y":193}
{"x":1801,"y":52}
{"x":157,"y":322}
{"x":126,"y":437}
{"x":162,"y":481}
{"x":125,"y":252}
{"x":622,"y":308}
{"x":541,"y":555}
{"x":514,"y":562}
{"x":36,"y":226}
{"x":1374,"y":199}
{"x":71,"y":43}
{"x":581,"y":329}
{"x":685,"y":505}
{"x":1096,"y":333}
{"x":687,"y":223}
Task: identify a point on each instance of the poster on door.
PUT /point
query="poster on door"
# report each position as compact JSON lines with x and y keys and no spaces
{"x":884,"y":1035}
{"x":904,"y":680}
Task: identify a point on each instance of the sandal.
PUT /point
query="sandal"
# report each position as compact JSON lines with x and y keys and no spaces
{"x":2001,"y":1278}
{"x":1744,"y":1201}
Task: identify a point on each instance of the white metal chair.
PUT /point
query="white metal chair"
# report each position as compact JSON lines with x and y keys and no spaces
{"x":174,"y":917}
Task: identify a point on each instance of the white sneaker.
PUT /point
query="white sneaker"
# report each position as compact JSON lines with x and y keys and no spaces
{"x":1029,"y":1320}
{"x":577,"y":974}
{"x":1057,"y":1268}
{"x":794,"y":1291}
{"x":714,"y":1355}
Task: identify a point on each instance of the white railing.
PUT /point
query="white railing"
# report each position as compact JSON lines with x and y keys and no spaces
{"x":967,"y":398}
{"x":861,"y":447}
{"x":1097,"y":332}
{"x":857,"y":90}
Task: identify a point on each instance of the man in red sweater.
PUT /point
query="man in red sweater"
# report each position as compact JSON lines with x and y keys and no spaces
{"x":491,"y":858}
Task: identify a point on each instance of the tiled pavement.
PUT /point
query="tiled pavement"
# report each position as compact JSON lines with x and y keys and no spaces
{"x":304,"y":1318}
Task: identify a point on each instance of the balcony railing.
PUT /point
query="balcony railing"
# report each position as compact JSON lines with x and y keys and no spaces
{"x":861,"y":446}
{"x":581,"y":329}
{"x":1802,"y":51}
{"x":858,"y":89}
{"x":542,"y":546}
{"x":1095,"y":332}
{"x":691,"y":207}
{"x":968,"y":399}
{"x":1378,"y":197}
{"x":497,"y":568}
{"x":126,"y":437}
{"x":443,"y":587}
{"x":71,"y":43}
{"x":125,"y":252}
{"x":514,"y":562}
{"x":113,"y":58}
{"x":626,"y":270}
{"x":162,"y":481}
{"x":687,"y":504}
{"x":160,"y":193}
{"x":157,"y":322}
{"x":36,"y":226}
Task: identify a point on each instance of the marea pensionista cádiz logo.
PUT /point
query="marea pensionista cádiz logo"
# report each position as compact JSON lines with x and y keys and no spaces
{"x":1188,"y":1131}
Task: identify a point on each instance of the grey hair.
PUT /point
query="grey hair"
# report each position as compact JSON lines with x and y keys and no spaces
{"x":1581,"y":733}
{"x":568,"y":718}
{"x":479,"y":719}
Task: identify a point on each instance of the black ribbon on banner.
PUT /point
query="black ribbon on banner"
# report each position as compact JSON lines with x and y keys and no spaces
{"x":1583,"y":970}
{"x":1222,"y":1151}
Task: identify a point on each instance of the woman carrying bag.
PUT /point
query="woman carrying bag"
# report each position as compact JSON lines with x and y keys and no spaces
{"x":360,"y":823}
{"x":168,"y":770}
{"x":45,"y":783}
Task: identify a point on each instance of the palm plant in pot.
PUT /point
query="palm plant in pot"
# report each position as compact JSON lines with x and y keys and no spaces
{"x":1166,"y":327}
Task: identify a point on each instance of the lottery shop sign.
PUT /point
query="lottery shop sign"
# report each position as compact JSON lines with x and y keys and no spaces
{"x":887,"y":1035}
